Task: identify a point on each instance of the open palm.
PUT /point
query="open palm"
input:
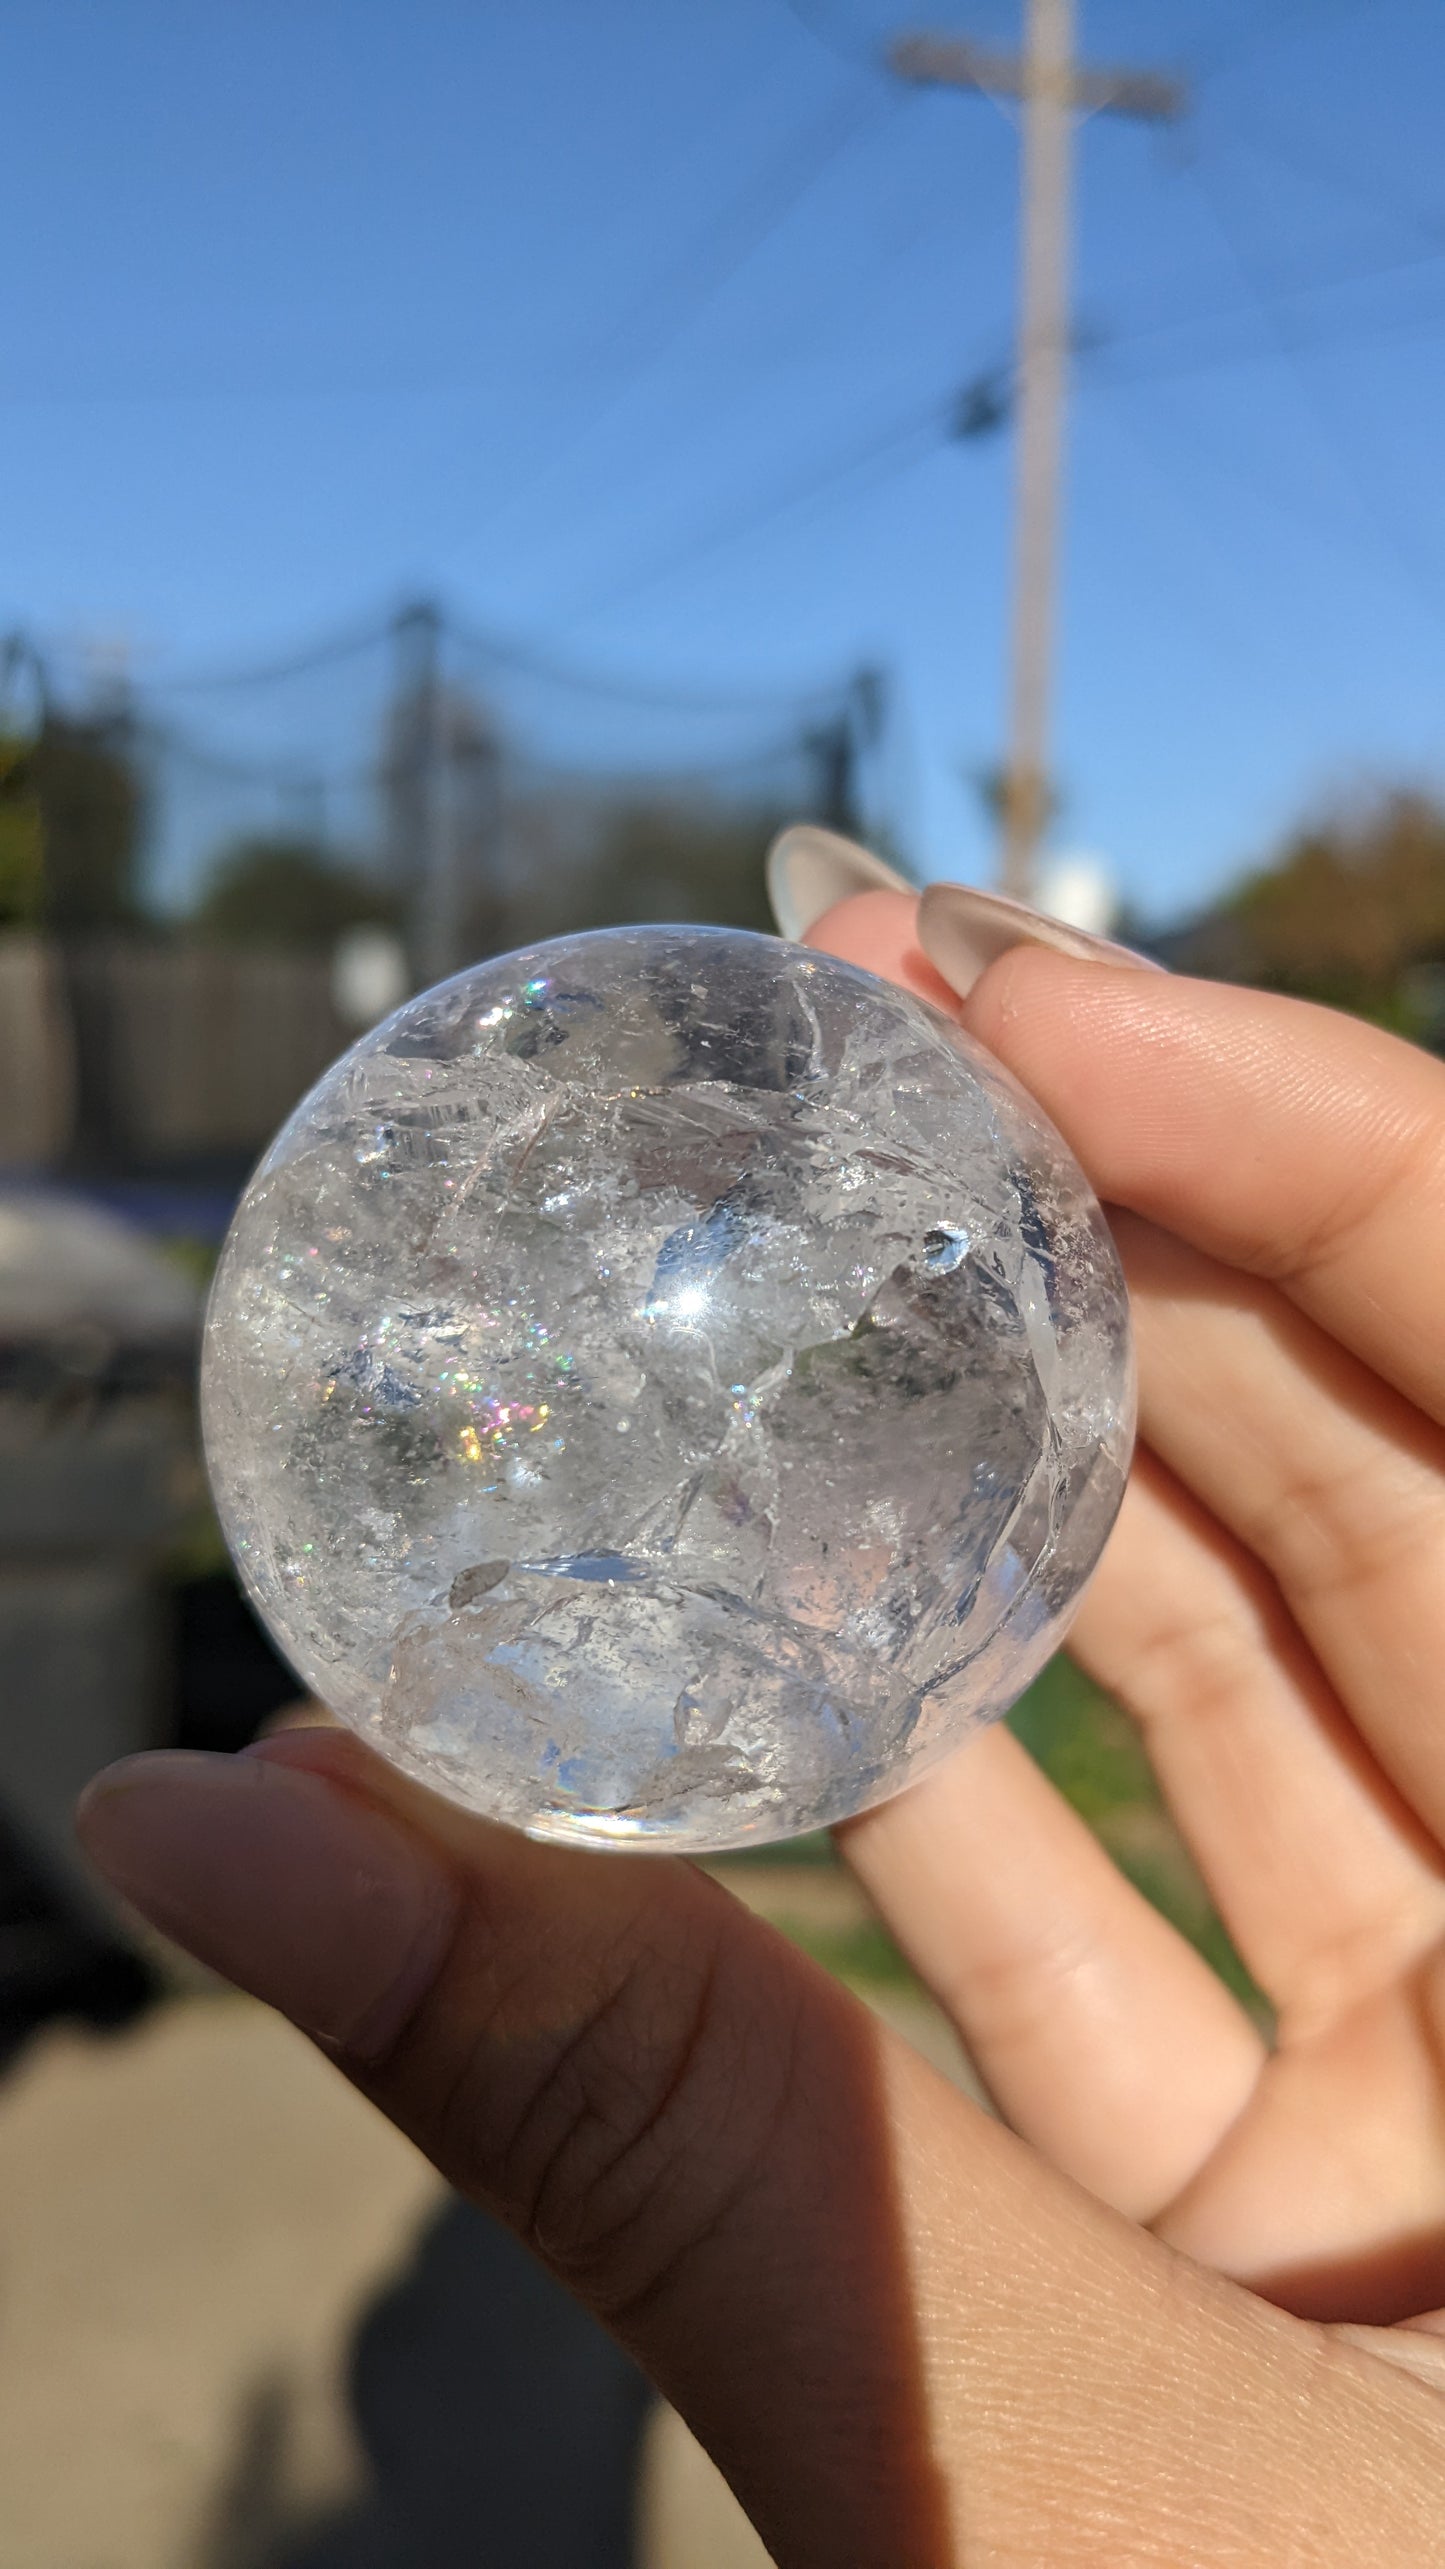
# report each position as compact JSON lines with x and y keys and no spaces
{"x":1271,"y":1611}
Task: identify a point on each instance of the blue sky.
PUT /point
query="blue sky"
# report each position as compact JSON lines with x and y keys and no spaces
{"x":577,"y":312}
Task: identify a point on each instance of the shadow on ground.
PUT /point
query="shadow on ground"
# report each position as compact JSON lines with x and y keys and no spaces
{"x":499,"y":2425}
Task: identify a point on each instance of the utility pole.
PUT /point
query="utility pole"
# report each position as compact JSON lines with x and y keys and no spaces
{"x":1052,"y":89}
{"x":420,"y":839}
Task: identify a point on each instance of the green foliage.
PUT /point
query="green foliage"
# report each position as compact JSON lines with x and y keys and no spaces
{"x":286,"y":892}
{"x":21,"y":873}
{"x":863,"y":1954}
{"x":196,"y":1257}
{"x":1352,"y":912}
{"x":1092,"y":1752}
{"x":84,"y":784}
{"x":666,"y":862}
{"x":197,"y":1548}
{"x":1084,"y":1744}
{"x":815,"y":1849}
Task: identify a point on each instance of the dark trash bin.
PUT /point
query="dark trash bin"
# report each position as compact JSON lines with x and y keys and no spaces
{"x":98,"y":1336}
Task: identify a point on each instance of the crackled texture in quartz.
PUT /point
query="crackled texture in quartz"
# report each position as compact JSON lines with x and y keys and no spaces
{"x":667,"y":1387}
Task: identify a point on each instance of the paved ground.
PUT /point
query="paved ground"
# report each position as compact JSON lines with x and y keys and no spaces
{"x":243,"y":2327}
{"x":190,"y":2218}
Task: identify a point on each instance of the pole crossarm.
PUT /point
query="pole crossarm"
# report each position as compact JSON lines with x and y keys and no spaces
{"x":951,"y":62}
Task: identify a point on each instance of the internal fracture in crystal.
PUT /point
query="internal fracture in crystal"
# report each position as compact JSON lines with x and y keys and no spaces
{"x":667,"y":1387}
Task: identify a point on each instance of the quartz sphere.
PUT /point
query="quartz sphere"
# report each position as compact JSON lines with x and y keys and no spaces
{"x":667,"y":1387}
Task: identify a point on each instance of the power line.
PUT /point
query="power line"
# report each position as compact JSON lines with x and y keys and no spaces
{"x":1316,"y":276}
{"x":899,"y":445}
{"x":1212,"y":618}
{"x":1402,"y":547}
{"x":660,"y":317}
{"x":1304,"y":283}
{"x":1360,"y":331}
{"x":347,"y":642}
{"x":1321,"y":169}
{"x":665,"y":309}
{"x":280,"y":773}
{"x":904,"y":441}
{"x":510,"y":652}
{"x":818,"y":23}
{"x":1280,"y":500}
{"x":1283,"y":26}
{"x":503,"y":651}
{"x":920,"y":431}
{"x":986,"y":400}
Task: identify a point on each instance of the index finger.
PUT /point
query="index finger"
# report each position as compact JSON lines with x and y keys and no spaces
{"x":1284,"y":1139}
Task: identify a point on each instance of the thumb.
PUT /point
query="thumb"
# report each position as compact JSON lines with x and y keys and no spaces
{"x":905,"y":2341}
{"x":675,"y":2110}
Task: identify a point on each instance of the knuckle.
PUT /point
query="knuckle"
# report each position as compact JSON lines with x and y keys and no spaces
{"x":613,"y":2144}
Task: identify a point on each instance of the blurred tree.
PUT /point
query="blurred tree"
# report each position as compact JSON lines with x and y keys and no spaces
{"x":664,"y":861}
{"x":82,"y":776}
{"x":288,"y":892}
{"x":1352,"y":911}
{"x":20,"y":833}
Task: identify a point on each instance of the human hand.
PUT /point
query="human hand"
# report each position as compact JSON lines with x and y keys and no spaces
{"x":1270,"y":1610}
{"x":908,"y":2334}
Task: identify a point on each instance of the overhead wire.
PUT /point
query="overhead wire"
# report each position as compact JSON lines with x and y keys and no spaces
{"x":644,"y":332}
{"x":1354,"y":332}
{"x":1304,"y":285}
{"x":909,"y":438}
{"x":1320,"y":168}
{"x":658,"y":319}
{"x":346,"y":642}
{"x":655,"y":322}
{"x":818,"y":23}
{"x":1277,"y":499}
{"x":1265,"y":28}
{"x":904,"y":441}
{"x":230,"y":767}
{"x":502,"y":650}
{"x":533,"y":660}
{"x":1403,"y":549}
{"x":1210,"y":613}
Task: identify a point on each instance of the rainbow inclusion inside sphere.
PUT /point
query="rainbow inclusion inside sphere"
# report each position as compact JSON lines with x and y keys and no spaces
{"x":667,"y":1387}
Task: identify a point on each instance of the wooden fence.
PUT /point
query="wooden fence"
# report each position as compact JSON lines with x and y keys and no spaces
{"x":130,"y":1055}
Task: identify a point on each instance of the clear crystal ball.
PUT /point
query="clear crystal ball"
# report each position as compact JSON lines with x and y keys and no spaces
{"x":667,"y":1387}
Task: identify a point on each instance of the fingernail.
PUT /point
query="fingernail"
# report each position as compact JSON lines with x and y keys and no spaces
{"x":962,"y":932}
{"x":809,"y":870}
{"x":281,"y":1882}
